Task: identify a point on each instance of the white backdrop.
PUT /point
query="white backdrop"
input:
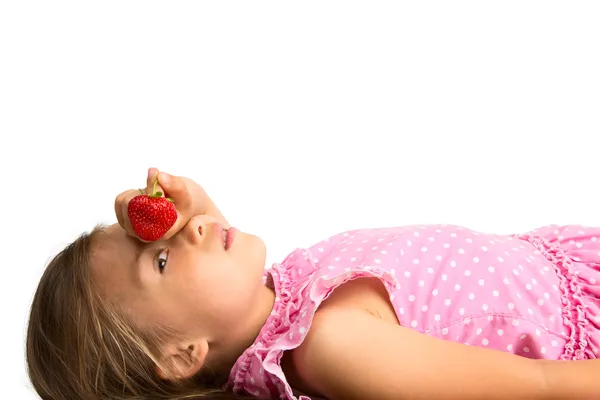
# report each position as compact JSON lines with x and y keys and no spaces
{"x":300,"y":119}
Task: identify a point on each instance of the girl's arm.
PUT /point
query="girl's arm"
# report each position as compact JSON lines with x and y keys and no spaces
{"x":350,"y":354}
{"x":193,"y":196}
{"x":207,"y":206}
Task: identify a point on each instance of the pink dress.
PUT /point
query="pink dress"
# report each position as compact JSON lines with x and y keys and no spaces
{"x":536,"y":295}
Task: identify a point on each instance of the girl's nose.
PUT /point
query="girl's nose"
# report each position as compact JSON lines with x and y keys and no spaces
{"x":199,"y":228}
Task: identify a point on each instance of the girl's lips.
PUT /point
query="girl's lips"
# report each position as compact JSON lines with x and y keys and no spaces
{"x":229,"y":236}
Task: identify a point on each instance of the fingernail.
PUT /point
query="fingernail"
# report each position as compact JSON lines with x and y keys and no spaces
{"x":150,"y":171}
{"x":164,"y":178}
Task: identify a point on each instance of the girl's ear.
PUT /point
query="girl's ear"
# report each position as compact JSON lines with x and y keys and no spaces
{"x":182,"y":361}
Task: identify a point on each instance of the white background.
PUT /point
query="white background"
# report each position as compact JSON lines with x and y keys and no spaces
{"x":300,"y":119}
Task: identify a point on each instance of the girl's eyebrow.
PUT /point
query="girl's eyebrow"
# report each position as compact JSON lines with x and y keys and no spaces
{"x":139,"y":249}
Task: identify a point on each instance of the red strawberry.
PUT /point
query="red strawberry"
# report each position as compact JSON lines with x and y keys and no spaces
{"x":151,"y":215}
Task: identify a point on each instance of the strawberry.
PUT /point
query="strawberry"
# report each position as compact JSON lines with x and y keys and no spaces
{"x":151,"y":215}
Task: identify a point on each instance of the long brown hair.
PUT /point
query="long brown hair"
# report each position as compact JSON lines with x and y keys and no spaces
{"x":80,"y":346}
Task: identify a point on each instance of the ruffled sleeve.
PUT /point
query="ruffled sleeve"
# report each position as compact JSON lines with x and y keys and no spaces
{"x":300,"y":288}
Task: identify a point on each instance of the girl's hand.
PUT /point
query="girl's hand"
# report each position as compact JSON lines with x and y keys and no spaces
{"x":189,"y":199}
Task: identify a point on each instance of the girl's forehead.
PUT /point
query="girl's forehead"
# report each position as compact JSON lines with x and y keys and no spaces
{"x":114,"y":260}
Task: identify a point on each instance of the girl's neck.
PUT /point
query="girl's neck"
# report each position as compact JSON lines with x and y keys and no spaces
{"x":243,"y":336}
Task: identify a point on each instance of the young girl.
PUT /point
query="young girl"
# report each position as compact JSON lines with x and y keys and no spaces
{"x":412,"y":312}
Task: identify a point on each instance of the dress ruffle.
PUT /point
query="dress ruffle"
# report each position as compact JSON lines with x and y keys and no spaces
{"x":276,"y":335}
{"x":574,"y":316}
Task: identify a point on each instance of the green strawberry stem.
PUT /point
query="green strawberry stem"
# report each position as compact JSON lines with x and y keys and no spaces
{"x":159,"y":194}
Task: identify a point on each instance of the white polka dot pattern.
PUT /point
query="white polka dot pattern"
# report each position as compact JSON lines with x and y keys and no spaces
{"x":535,"y":295}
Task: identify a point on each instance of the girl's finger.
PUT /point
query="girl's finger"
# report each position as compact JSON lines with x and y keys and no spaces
{"x":120,"y":212}
{"x":176,"y":188}
{"x":151,"y":180}
{"x":124,"y":206}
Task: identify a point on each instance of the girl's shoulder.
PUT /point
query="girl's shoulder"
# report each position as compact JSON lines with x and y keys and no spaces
{"x":304,"y":280}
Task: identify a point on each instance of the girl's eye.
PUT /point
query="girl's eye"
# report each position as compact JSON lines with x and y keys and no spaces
{"x":161,"y":260}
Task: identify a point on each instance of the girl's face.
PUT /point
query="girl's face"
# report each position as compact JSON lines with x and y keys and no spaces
{"x":192,"y":283}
